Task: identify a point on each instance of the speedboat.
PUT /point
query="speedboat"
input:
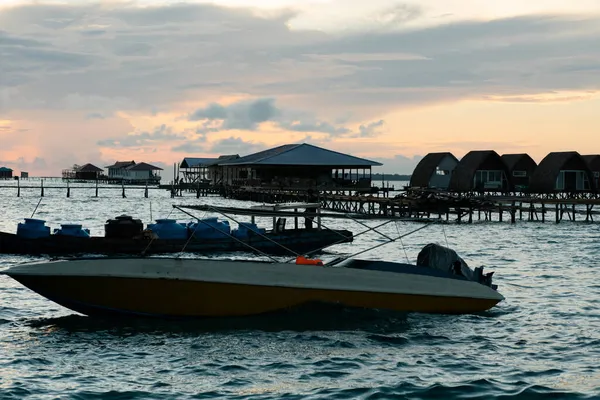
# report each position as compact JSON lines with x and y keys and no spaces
{"x":440,"y":282}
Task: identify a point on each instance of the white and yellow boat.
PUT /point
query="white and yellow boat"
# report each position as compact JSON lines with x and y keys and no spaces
{"x":171,"y":287}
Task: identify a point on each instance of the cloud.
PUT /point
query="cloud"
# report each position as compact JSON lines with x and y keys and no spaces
{"x":233,"y":145}
{"x":190,"y":147}
{"x":21,"y":164}
{"x":95,"y":116}
{"x":160,"y":134}
{"x":249,"y":114}
{"x":126,"y":57}
{"x":371,"y":129}
{"x":244,"y":115}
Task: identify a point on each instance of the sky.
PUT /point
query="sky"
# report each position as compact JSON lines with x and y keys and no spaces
{"x":156,"y":81}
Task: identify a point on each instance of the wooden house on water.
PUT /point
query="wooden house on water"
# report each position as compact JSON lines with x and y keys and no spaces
{"x":203,"y":169}
{"x":565,"y":171}
{"x":88,"y":172}
{"x":593,"y":162}
{"x":480,"y":170}
{"x":520,"y":169}
{"x":143,"y":173}
{"x":298,"y":166}
{"x":117,"y":171}
{"x":434,"y":171}
{"x":135,"y":173}
{"x":6,"y":173}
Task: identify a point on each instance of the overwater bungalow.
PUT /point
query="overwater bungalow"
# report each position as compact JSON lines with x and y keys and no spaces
{"x":593,"y":162}
{"x":520,"y":169}
{"x":298,"y":166}
{"x":564,"y":171}
{"x":480,"y":170}
{"x":434,"y":171}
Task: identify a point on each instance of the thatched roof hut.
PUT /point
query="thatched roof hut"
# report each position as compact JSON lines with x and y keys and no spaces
{"x":520,"y":169}
{"x":434,"y":170}
{"x":564,"y":171}
{"x":479,"y":170}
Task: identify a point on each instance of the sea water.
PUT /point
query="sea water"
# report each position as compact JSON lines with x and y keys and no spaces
{"x":542,"y":342}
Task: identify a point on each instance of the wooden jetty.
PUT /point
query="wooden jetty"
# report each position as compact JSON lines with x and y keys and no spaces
{"x":68,"y":188}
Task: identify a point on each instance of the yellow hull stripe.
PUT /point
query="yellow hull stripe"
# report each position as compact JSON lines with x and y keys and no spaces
{"x":179,"y":298}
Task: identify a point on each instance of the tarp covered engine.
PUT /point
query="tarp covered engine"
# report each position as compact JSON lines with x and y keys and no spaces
{"x":447,"y":260}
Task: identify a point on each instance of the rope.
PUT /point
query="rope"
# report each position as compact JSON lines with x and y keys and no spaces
{"x":231,"y":236}
{"x":340,"y":259}
{"x":190,"y":238}
{"x":445,"y":237}
{"x":345,"y":238}
{"x":152,"y":239}
{"x":401,"y":243}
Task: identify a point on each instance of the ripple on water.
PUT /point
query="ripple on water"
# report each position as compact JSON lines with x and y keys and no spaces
{"x":542,"y":342}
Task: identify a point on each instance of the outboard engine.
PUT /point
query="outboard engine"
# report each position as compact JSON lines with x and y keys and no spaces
{"x":445,"y":259}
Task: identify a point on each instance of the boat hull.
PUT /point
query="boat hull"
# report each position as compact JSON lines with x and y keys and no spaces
{"x":224,"y":289}
{"x":299,"y":241}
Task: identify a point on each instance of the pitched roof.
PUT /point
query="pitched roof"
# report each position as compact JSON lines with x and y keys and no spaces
{"x":511,"y":160}
{"x":89,"y":168}
{"x":543,"y":179}
{"x":426,"y":167}
{"x":194,"y":162}
{"x":191,"y":162}
{"x":143,"y":167}
{"x":301,"y":154}
{"x":5,"y":169}
{"x":121,"y":164}
{"x":462,"y":177}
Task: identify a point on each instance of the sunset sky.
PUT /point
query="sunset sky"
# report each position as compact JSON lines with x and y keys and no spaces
{"x":155,"y":81}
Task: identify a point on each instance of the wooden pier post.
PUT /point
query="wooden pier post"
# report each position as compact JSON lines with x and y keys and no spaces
{"x":513,"y":213}
{"x":520,"y":211}
{"x":19,"y":188}
{"x":146,"y":190}
{"x":123,"y":188}
{"x":68,"y":190}
{"x":470,"y":215}
{"x":557,"y":214}
{"x":42,"y":188}
{"x":96,"y":187}
{"x":543,"y":212}
{"x":500,"y":213}
{"x":573,"y":208}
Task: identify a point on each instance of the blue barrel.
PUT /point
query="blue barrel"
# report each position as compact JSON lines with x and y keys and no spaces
{"x":169,"y":229}
{"x":72,"y":230}
{"x":33,"y":229}
{"x":210,"y":228}
{"x":246,"y":229}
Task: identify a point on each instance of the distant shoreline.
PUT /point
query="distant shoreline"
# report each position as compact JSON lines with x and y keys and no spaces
{"x":390,"y":177}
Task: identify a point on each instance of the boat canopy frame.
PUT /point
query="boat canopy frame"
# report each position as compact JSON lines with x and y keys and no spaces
{"x":282,"y":210}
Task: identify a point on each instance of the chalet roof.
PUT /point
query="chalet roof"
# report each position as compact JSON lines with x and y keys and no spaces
{"x":5,"y":169}
{"x":543,"y":179}
{"x":121,"y":164}
{"x":89,"y":168}
{"x":301,"y":154}
{"x":143,"y":167}
{"x":511,"y":160}
{"x":426,"y":167}
{"x":462,"y":176}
